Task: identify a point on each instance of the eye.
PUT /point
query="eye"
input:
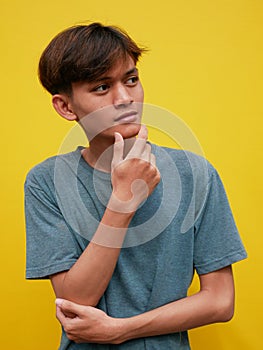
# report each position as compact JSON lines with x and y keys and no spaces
{"x":101,"y":88}
{"x":132,"y":80}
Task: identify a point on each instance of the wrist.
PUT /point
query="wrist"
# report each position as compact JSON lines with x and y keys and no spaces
{"x":138,"y":326}
{"x":126,"y":207}
{"x":112,"y":228}
{"x":120,"y":330}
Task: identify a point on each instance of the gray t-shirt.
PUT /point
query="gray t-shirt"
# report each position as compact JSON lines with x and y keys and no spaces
{"x":185,"y":225}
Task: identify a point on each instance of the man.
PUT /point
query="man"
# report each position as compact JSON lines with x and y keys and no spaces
{"x":120,"y":226}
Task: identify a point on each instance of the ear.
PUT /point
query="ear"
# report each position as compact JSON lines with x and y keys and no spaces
{"x":62,"y":105}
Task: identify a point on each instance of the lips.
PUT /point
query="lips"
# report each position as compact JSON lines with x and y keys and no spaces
{"x":127,"y":117}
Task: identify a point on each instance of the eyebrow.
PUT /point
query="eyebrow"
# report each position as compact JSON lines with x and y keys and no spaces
{"x":130,"y":71}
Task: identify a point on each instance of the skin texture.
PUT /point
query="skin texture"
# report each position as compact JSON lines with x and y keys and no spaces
{"x":97,"y":106}
{"x":213,"y":303}
{"x":120,"y":148}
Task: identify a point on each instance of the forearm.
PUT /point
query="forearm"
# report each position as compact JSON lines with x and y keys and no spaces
{"x":87,"y":280}
{"x":214,"y":303}
{"x":190,"y":312}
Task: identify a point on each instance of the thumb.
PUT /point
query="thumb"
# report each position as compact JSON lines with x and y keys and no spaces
{"x":117,"y":149}
{"x":68,"y":307}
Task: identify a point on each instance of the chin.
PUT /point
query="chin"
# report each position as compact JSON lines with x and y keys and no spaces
{"x":127,"y":130}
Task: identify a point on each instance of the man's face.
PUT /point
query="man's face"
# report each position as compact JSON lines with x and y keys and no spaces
{"x":111,"y":104}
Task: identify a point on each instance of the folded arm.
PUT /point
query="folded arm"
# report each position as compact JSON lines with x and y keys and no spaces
{"x":213,"y":303}
{"x":88,"y":278}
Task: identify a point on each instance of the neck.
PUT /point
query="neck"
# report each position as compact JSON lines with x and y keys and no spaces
{"x":99,"y":153}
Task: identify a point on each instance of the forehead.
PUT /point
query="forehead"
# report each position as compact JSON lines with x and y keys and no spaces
{"x":120,"y":67}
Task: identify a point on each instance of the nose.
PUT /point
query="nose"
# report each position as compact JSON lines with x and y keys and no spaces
{"x":122,"y":97}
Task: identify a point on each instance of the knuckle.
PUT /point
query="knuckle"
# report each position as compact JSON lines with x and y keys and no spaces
{"x":119,"y":170}
{"x":67,"y":328}
{"x":148,"y":147}
{"x":142,"y":162}
{"x":70,"y":336}
{"x":158,"y":175}
{"x":113,"y":164}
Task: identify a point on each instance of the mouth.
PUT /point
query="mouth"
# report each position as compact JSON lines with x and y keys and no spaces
{"x":127,"y":117}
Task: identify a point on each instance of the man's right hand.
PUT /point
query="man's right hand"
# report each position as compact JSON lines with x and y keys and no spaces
{"x":134,"y":177}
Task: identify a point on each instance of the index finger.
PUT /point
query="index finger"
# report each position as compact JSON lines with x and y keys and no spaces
{"x":117,"y":150}
{"x":139,"y":145}
{"x":143,"y":133}
{"x":60,"y":316}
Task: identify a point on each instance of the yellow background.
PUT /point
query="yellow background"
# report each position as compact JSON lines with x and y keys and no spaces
{"x":205,"y":65}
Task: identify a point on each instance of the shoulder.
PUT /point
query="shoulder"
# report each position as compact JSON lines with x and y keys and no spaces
{"x":187,"y":163}
{"x":42,"y":174}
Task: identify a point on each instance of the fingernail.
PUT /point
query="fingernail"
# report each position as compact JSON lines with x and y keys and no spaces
{"x":59,"y":301}
{"x":118,"y":136}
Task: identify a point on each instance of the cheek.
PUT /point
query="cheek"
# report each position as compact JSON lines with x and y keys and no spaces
{"x":98,"y":121}
{"x":87,"y":104}
{"x":140,"y":94}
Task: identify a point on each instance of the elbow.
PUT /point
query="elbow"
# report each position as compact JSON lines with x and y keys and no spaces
{"x":80,"y":299}
{"x":229,"y":312}
{"x":226,"y":314}
{"x":225,"y":310}
{"x":65,"y":288}
{"x":220,"y":291}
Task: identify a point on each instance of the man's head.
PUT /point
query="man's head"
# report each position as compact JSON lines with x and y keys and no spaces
{"x":90,"y":70}
{"x":84,"y":53}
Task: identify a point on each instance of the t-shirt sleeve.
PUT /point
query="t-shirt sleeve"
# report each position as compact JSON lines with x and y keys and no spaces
{"x":51,"y":247}
{"x":217,"y":241}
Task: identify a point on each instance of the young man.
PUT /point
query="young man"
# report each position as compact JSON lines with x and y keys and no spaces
{"x":120,"y":226}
